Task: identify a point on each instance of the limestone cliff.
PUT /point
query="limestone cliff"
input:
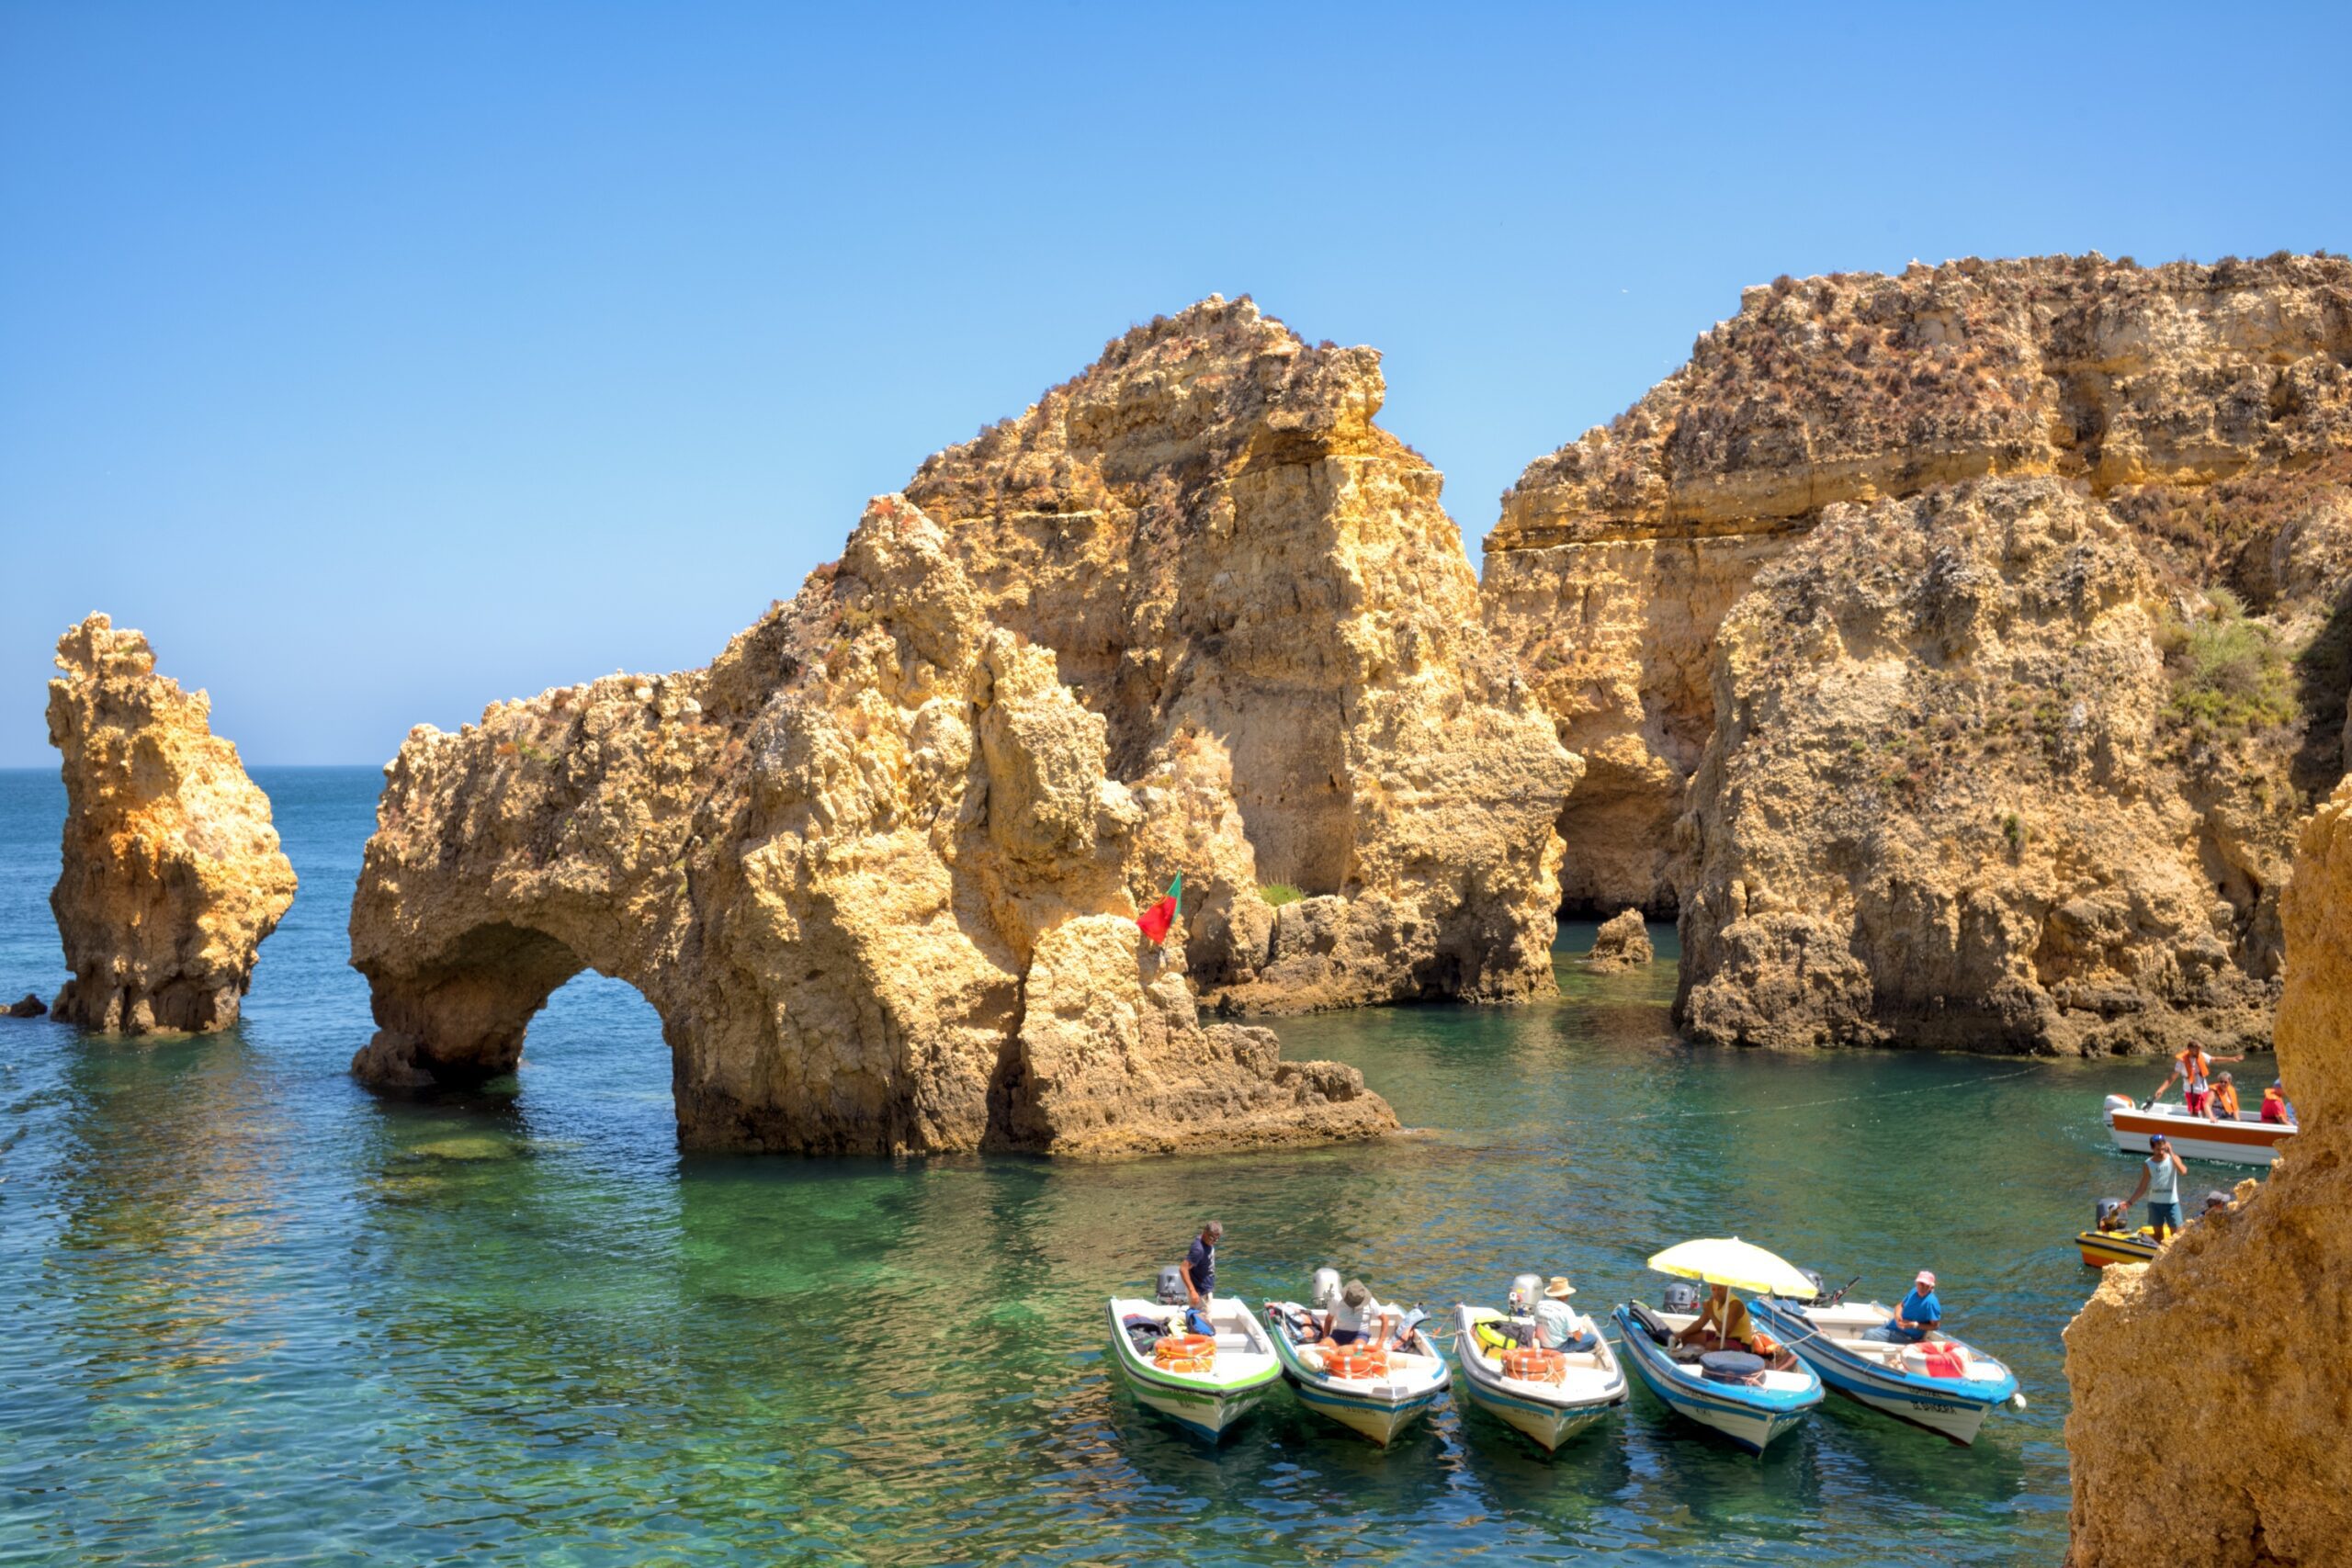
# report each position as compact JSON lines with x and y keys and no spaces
{"x":1256,"y":588}
{"x":2251,"y":1309}
{"x":1859,"y":505}
{"x":869,"y":868}
{"x":171,"y":871}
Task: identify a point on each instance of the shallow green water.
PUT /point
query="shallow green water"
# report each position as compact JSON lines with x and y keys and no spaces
{"x":254,"y":1316}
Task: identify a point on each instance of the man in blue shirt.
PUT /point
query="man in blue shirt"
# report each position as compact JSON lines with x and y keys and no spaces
{"x":1915,"y":1318}
{"x":1200,"y":1268}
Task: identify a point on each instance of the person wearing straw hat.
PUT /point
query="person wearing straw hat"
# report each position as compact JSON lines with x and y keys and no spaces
{"x":1558,"y":1326}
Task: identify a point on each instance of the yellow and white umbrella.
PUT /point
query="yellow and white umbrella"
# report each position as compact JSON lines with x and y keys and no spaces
{"x":1742,"y":1265}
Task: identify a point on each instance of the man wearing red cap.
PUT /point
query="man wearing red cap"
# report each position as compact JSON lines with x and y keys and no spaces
{"x":1916,"y":1317}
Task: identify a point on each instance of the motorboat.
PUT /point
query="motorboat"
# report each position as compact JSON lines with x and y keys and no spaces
{"x":2245,"y":1139}
{"x":1741,"y":1395}
{"x":1938,"y":1383}
{"x":2100,"y":1247}
{"x":1378,"y":1392}
{"x":1549,"y":1394}
{"x":1204,"y":1383}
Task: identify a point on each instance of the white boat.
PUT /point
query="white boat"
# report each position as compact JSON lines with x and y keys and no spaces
{"x":1940,"y":1383}
{"x":2246,"y":1139}
{"x":1378,"y":1393}
{"x":1751,"y":1414}
{"x":1206,"y":1393}
{"x":1589,"y":1384}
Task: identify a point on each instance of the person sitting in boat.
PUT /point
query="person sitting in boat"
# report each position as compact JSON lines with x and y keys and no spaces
{"x":1723,"y":1324}
{"x":1916,"y":1316}
{"x":2113,"y":1216}
{"x":2194,"y":1070}
{"x":2275,"y":1109}
{"x":2160,"y":1177}
{"x":1356,"y":1318}
{"x":1558,"y":1326}
{"x":2225,"y":1098}
{"x":2214,"y":1200}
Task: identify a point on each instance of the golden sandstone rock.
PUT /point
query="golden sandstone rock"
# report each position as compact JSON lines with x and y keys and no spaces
{"x":171,"y":871}
{"x":1955,"y":651}
{"x":869,"y":868}
{"x":1622,"y":943}
{"x":2211,"y":1388}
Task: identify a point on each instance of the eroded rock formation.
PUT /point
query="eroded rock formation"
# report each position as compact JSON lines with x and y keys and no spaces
{"x":869,"y":868}
{"x":1622,"y":943}
{"x":1258,"y":589}
{"x":2211,"y":1387}
{"x":171,"y":873}
{"x":1955,"y":651}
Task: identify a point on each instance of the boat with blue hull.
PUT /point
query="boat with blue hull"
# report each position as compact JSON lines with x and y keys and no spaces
{"x":1938,"y":1383}
{"x":1376,"y":1392}
{"x":1753,"y":1408}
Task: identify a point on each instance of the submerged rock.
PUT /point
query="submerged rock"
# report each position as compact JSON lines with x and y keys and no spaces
{"x":1622,"y":943}
{"x":1256,"y":587}
{"x":172,"y":874}
{"x":1832,"y":722}
{"x":2210,"y":1386}
{"x":869,"y":868}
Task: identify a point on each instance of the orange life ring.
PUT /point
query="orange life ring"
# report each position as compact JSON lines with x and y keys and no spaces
{"x":1532,"y":1365}
{"x":1185,"y":1353}
{"x":1348,"y":1361}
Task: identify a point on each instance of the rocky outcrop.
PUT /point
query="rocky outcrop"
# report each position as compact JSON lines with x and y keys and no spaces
{"x":1902,"y":502}
{"x":1622,"y":943}
{"x":171,"y":873}
{"x":2252,"y":1308}
{"x":27,"y":1006}
{"x":869,"y":868}
{"x":1256,"y":587}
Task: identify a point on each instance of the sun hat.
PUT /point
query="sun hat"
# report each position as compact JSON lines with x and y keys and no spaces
{"x":1928,"y":1278}
{"x":1559,"y":1290}
{"x":1355,"y":1295}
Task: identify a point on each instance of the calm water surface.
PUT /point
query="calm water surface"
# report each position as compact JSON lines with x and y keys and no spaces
{"x":255,"y":1316}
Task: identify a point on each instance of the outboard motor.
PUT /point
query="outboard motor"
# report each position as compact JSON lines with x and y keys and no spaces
{"x":2104,"y":1211}
{"x":1172,"y":1285}
{"x":1820,"y":1286}
{"x":1323,"y":1292}
{"x":1683,"y":1296}
{"x":1526,"y":1290}
{"x":2116,"y":1103}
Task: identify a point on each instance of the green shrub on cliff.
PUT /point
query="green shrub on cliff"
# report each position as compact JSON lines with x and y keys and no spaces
{"x":1280,"y":893}
{"x":2230,"y":677}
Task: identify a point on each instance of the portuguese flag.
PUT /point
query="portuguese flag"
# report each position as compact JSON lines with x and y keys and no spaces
{"x":1155,"y":920}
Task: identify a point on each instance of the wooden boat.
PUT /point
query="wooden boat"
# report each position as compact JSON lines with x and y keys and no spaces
{"x":1751,"y":1415}
{"x":2101,"y":1248}
{"x":1208,"y":1391}
{"x":1378,"y":1393}
{"x":2244,"y":1140}
{"x":1583,"y":1387}
{"x":1940,"y":1383}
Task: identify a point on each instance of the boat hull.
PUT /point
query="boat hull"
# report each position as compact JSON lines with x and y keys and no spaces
{"x":1550,"y":1421}
{"x":2101,"y":1248}
{"x":1378,"y":1409}
{"x":1955,"y":1409}
{"x":1752,"y":1419}
{"x":1207,"y":1405}
{"x":2239,"y":1142}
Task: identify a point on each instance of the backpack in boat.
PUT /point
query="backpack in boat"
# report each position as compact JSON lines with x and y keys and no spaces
{"x":1649,"y":1322}
{"x":1143,"y":1332}
{"x":1198,"y":1321}
{"x":1497,"y":1336}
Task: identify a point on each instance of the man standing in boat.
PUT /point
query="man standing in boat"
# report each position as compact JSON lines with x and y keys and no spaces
{"x":2194,"y":1068}
{"x":2160,"y":1179}
{"x":1200,"y":1267}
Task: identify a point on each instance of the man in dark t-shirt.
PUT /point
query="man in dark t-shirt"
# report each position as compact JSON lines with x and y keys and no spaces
{"x":1200,"y":1265}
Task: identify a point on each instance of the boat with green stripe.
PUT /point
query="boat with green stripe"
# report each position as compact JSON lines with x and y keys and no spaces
{"x":1383,"y":1399}
{"x":1207,"y":1401}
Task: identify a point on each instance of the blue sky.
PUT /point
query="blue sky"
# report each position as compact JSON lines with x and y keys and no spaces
{"x":381,"y":361}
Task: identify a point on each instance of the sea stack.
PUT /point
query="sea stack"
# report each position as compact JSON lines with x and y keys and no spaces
{"x":868,"y":866}
{"x":1622,"y":943}
{"x":1954,"y":652}
{"x":2210,"y":1387}
{"x":1256,"y":588}
{"x":173,"y":875}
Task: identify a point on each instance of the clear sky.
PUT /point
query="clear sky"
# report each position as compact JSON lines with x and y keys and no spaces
{"x":380,"y":361}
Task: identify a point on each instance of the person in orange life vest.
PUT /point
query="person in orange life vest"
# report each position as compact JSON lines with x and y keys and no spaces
{"x":2274,"y":1105}
{"x":2225,"y":1098}
{"x":2194,"y":1068}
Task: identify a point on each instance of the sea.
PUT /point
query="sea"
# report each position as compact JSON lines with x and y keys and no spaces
{"x":252,"y":1314}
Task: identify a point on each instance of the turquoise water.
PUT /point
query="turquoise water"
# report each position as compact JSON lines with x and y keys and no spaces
{"x":255,"y":1316}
